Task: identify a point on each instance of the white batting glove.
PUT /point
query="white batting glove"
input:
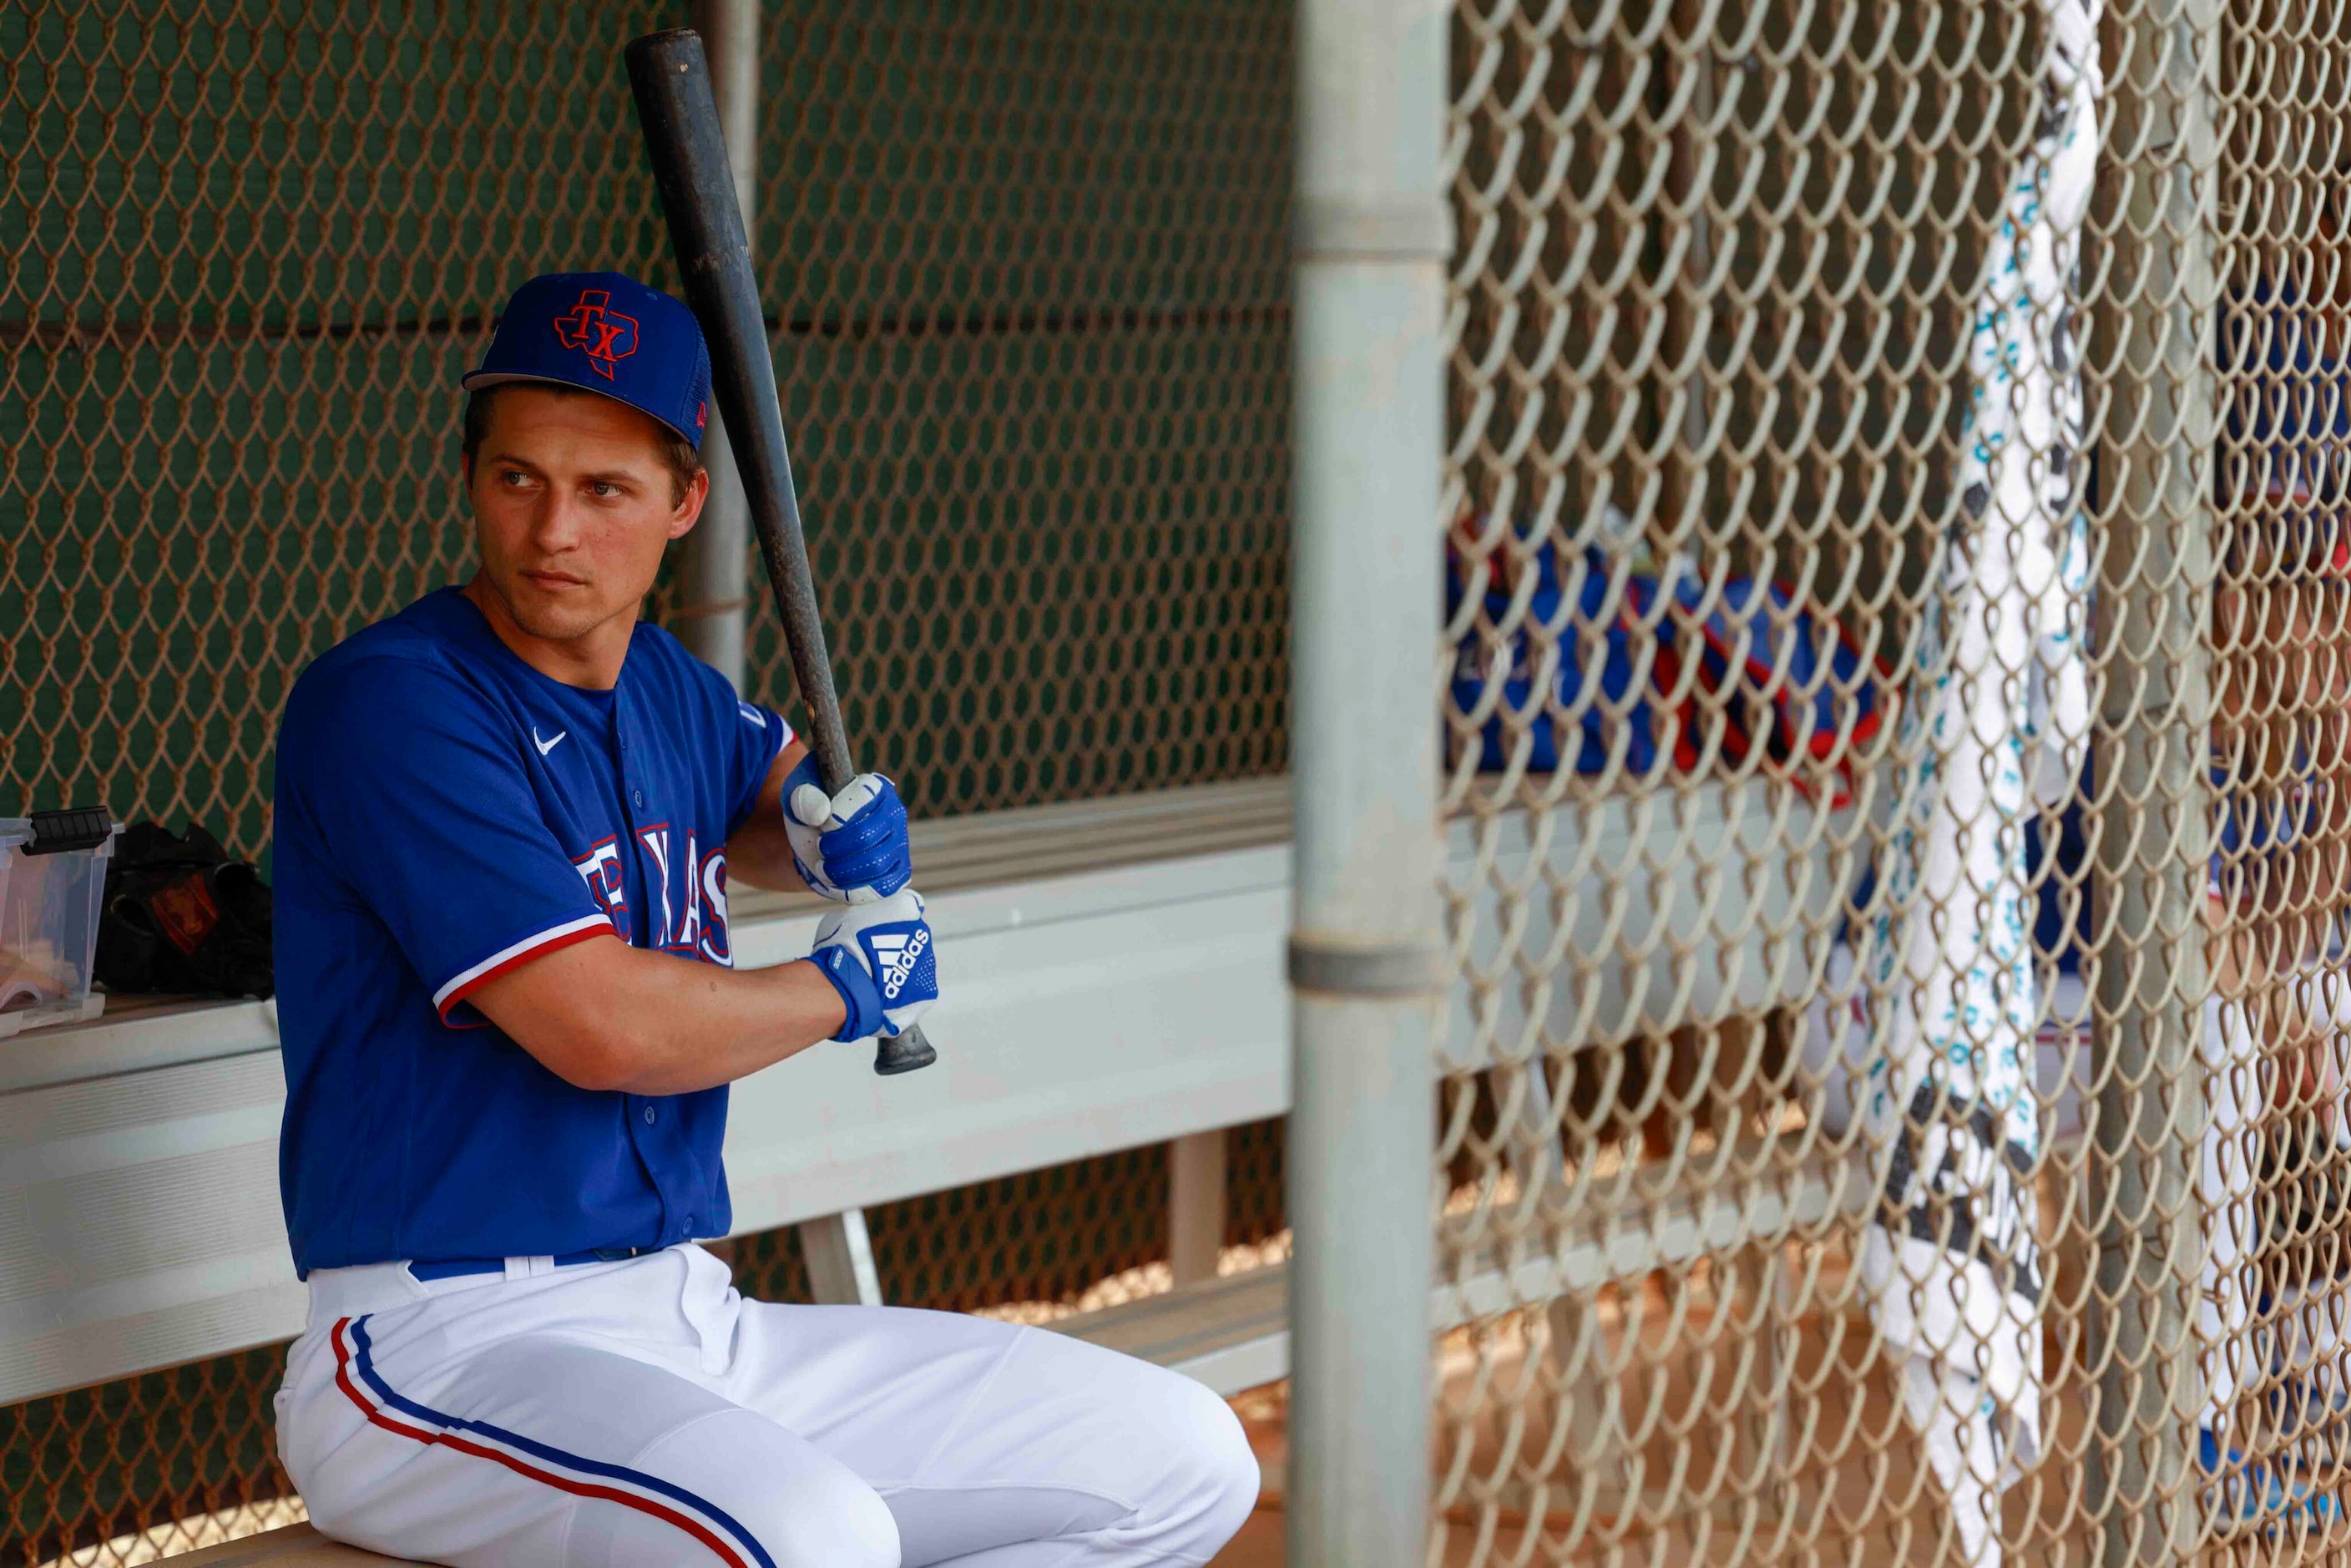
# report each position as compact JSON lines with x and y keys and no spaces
{"x":882,"y":960}
{"x":851,"y":847}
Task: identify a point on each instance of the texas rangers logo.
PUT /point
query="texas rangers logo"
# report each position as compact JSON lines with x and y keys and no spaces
{"x":607,"y":335}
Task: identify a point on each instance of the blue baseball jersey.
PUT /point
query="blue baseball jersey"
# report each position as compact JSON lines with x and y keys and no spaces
{"x":445,"y":814}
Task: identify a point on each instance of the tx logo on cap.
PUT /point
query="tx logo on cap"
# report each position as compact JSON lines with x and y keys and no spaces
{"x":606,"y":335}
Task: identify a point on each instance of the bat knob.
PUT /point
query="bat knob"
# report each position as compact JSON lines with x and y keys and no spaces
{"x":896,"y":1053}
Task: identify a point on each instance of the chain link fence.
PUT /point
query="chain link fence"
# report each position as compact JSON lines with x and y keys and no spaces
{"x":1893,"y":1100}
{"x":1031,"y":323}
{"x":144,"y":1466}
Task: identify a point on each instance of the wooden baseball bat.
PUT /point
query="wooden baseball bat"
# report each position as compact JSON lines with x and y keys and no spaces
{"x":670,"y":80}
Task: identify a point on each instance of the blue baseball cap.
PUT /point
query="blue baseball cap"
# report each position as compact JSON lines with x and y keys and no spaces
{"x":605,"y":332}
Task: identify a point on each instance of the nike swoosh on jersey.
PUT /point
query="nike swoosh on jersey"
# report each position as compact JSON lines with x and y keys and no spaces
{"x":547,"y":745}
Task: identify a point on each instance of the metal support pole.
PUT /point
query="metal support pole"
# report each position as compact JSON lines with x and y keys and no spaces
{"x":1195,"y":1205}
{"x":839,"y":1256}
{"x":1369,"y":242}
{"x":2157,"y":218}
{"x":713,"y":563}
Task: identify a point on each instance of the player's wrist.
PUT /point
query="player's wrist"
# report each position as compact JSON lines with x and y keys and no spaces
{"x":855,"y":1000}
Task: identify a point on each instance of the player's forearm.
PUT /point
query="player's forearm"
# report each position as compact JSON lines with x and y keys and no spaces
{"x":706,"y":1026}
{"x":759,"y":855}
{"x":602,"y":1015}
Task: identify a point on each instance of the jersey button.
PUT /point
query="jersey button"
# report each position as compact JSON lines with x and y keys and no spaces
{"x":651,"y":1116}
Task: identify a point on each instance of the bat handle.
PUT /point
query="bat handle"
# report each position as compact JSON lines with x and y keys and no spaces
{"x":894,"y":1053}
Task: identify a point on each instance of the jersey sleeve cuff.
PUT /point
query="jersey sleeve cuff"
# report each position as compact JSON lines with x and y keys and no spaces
{"x":785,"y":736}
{"x":769,"y":721}
{"x":778,"y":732}
{"x":466,"y":982}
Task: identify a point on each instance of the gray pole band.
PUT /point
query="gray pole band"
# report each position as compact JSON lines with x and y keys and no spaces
{"x":1405,"y":969}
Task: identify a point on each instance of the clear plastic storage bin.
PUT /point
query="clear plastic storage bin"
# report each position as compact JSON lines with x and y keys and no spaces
{"x":52,"y":886}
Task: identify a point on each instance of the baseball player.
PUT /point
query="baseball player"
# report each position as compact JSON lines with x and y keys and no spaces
{"x":506,"y":821}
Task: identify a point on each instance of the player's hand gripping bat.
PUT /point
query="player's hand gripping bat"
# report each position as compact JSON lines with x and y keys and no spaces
{"x":680,"y":118}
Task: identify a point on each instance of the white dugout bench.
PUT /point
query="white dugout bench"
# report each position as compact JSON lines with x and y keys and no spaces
{"x":1113,"y":980}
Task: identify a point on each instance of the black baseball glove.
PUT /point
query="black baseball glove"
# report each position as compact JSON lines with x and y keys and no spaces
{"x":184,"y":919}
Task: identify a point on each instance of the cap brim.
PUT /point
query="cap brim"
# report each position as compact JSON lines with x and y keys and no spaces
{"x":475,"y":381}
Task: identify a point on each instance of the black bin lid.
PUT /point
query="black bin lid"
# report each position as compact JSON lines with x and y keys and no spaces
{"x":75,"y":827}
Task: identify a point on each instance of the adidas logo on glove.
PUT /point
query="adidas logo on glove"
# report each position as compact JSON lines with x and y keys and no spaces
{"x":895,"y":956}
{"x":881,"y":958}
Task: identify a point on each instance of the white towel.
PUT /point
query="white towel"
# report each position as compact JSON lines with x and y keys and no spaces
{"x":1997,"y":717}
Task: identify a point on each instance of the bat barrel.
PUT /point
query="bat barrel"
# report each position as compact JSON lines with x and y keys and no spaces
{"x":670,"y":79}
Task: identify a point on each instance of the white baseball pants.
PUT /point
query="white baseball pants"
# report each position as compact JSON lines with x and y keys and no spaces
{"x":632,"y":1414}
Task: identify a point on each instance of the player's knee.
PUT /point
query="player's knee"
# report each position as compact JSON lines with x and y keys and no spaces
{"x":1211,"y":1477}
{"x":823,"y":1519}
{"x":830,"y":1520}
{"x":804,"y":1509}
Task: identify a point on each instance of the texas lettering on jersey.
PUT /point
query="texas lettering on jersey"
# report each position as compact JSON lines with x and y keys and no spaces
{"x":688,"y":911}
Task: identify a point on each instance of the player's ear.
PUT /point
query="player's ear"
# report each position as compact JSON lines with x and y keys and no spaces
{"x":689,"y":506}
